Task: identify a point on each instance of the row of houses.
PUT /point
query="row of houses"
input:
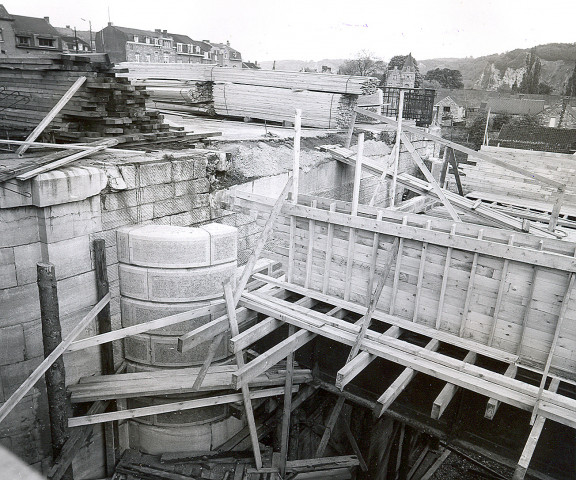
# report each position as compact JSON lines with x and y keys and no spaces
{"x":22,"y":35}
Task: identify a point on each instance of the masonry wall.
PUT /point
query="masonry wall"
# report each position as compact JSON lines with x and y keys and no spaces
{"x":48,"y":226}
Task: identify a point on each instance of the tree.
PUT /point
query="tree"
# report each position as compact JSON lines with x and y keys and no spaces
{"x":447,"y":77}
{"x":499,"y":120}
{"x":531,"y":79}
{"x":476,"y":131}
{"x":365,"y":64}
{"x":544,"y":89}
{"x":571,"y":85}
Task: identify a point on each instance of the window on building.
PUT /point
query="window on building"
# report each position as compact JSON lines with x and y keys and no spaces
{"x":46,"y":42}
{"x":137,"y":57}
{"x":148,"y":59}
{"x":156,"y":57}
{"x":179,"y":60}
{"x":156,"y":41}
{"x":179,"y":48}
{"x":167,"y":43}
{"x":21,"y":40}
{"x":226,"y":55}
{"x":147,"y":39}
{"x":1,"y":36}
{"x":446,"y":109}
{"x":166,"y":58}
{"x":136,"y":38}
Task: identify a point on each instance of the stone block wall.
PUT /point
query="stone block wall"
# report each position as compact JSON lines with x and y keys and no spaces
{"x":66,"y":210}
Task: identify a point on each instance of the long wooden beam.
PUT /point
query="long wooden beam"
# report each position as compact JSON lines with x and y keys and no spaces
{"x":448,"y":392}
{"x":524,"y":462}
{"x":402,"y":323}
{"x":486,"y":247}
{"x":23,"y":389}
{"x":173,"y":407}
{"x":461,"y":148}
{"x":431,"y":180}
{"x":472,"y":377}
{"x":493,"y":404}
{"x":399,"y":384}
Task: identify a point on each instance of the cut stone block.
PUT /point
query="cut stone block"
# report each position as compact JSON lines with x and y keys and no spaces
{"x":67,"y":184}
{"x":164,"y":246}
{"x":223,"y":242}
{"x":70,"y":257}
{"x":12,"y":344}
{"x":154,"y":173}
{"x":7,"y":268}
{"x":18,"y":226}
{"x":135,"y":312}
{"x":26,"y":257}
{"x":175,"y":284}
{"x":69,"y":220}
{"x":19,"y":304}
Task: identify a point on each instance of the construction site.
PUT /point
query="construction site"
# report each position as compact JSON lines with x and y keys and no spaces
{"x":227,"y":274}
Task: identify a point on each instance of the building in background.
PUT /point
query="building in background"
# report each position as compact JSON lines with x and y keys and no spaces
{"x":20,"y":35}
{"x":76,"y":40}
{"x":226,"y":56}
{"x":404,"y":77}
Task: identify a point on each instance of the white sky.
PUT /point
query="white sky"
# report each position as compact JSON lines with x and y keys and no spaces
{"x":318,"y":29}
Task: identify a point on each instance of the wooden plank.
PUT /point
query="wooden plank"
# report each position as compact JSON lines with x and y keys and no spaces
{"x":447,"y":394}
{"x":470,"y":289}
{"x":436,"y":465}
{"x":500,"y":296}
{"x":442,"y":295}
{"x":397,"y":149}
{"x":557,"y":330}
{"x":366,"y":319}
{"x":329,"y":244}
{"x":420,"y":277}
{"x":454,"y":164}
{"x":353,"y":368}
{"x":296,"y":167}
{"x":397,"y":270}
{"x":399,"y":384}
{"x":50,"y":359}
{"x":354,"y":444}
{"x":66,"y":160}
{"x":528,"y":308}
{"x":172,"y":407}
{"x":51,"y":115}
{"x":432,"y":181}
{"x":383,"y":176}
{"x":216,"y":341}
{"x":309,"y":256}
{"x":374,"y":259}
{"x":231,"y":303}
{"x":350,"y":131}
{"x":533,"y":437}
{"x":285,"y":432}
{"x":334,"y":414}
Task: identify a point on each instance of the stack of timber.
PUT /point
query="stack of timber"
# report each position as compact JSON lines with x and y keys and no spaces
{"x":178,"y":96}
{"x":104,"y":106}
{"x":485,"y":177}
{"x":326,"y":101}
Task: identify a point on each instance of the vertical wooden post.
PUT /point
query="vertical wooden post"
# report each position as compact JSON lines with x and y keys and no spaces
{"x":287,"y":408}
{"x":106,"y":349}
{"x":58,"y":404}
{"x":350,"y":132}
{"x":397,"y":152}
{"x":357,"y":175}
{"x":485,"y":139}
{"x":296,"y":169}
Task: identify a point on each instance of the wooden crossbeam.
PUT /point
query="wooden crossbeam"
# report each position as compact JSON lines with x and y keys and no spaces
{"x":478,"y":379}
{"x":404,"y":324}
{"x":173,"y":407}
{"x":501,"y":293}
{"x":433,"y":183}
{"x":231,"y":308}
{"x":447,"y":394}
{"x":23,"y":389}
{"x":530,"y":446}
{"x":334,"y":414}
{"x":492,"y":405}
{"x":352,"y":368}
{"x":399,"y":384}
{"x":216,"y":341}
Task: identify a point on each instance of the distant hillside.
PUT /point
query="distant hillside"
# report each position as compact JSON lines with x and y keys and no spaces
{"x":494,"y":71}
{"x":298,"y":65}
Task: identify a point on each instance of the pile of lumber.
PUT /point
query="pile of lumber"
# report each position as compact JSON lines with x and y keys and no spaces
{"x":321,"y":110}
{"x":326,"y":100}
{"x":103,"y":106}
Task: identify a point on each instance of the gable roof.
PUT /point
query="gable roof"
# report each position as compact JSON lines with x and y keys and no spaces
{"x":181,"y":38}
{"x":83,"y":35}
{"x":4,"y":15}
{"x":137,"y":31}
{"x":446,"y":101}
{"x":33,"y":25}
{"x":409,"y":64}
{"x":549,"y":139}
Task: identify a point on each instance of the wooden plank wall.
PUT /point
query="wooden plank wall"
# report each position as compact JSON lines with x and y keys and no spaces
{"x":479,"y":296}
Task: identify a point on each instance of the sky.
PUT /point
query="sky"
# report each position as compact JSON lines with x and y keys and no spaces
{"x":318,"y":29}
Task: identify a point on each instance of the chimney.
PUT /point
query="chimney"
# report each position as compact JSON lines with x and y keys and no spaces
{"x":110,"y":24}
{"x":47,"y":19}
{"x":165,"y":32}
{"x":228,"y":42}
{"x":67,"y":26}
